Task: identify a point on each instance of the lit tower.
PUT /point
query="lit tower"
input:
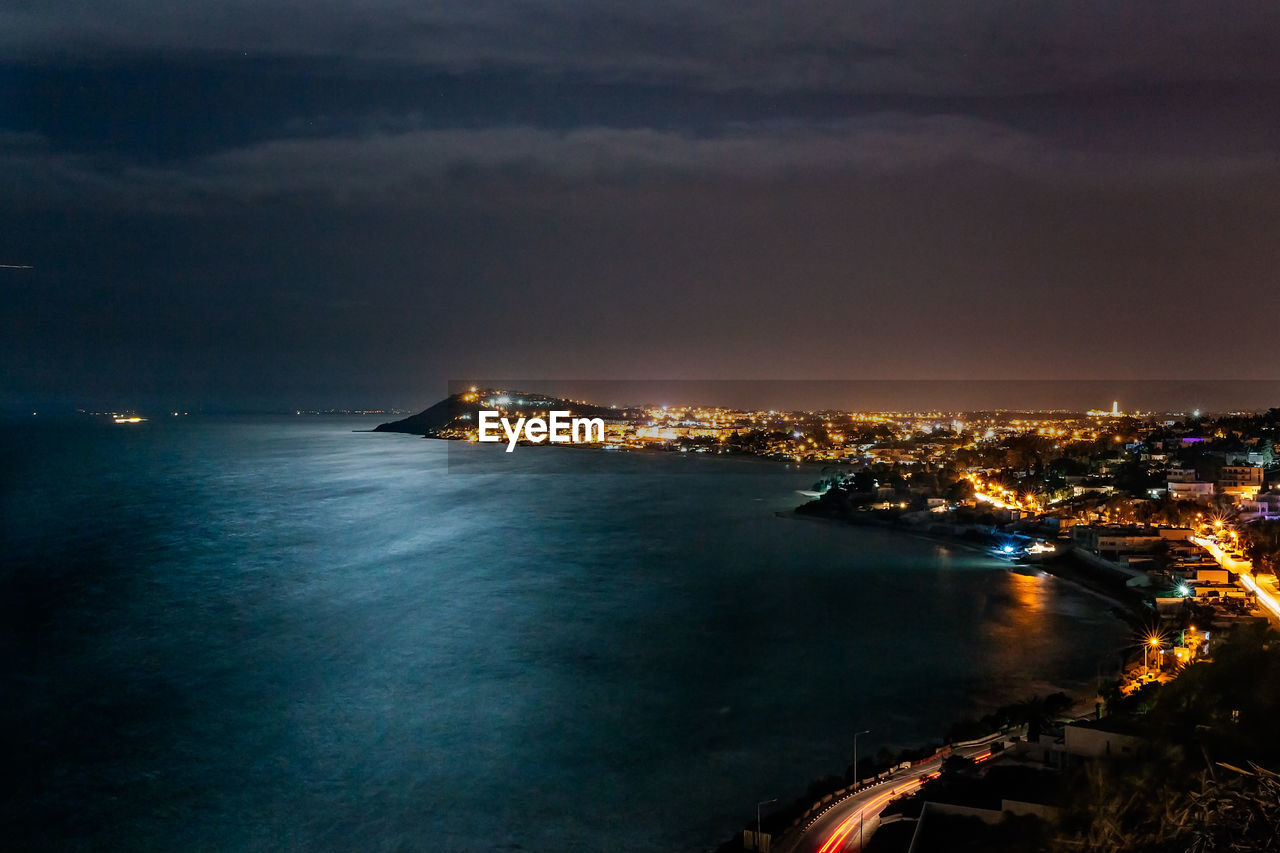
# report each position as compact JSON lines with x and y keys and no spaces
{"x":1115,"y":407}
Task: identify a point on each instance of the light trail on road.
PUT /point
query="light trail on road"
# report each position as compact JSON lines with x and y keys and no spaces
{"x":1264,"y":598}
{"x":836,"y":840}
{"x":1243,"y":569}
{"x":836,"y":823}
{"x":993,"y":500}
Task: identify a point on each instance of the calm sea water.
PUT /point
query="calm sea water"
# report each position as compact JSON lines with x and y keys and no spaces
{"x":279,"y":633}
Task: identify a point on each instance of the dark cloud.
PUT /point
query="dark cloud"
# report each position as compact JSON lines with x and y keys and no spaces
{"x":330,"y":203}
{"x":869,"y":47}
{"x":470,"y":167}
{"x":414,"y":167}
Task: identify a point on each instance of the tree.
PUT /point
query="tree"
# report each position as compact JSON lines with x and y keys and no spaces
{"x":1262,"y":544}
{"x":961,"y":490}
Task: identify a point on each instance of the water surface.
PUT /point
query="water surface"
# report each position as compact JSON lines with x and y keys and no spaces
{"x":280,"y":633}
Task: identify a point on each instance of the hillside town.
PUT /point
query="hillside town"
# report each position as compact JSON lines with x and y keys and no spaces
{"x":1177,"y":520}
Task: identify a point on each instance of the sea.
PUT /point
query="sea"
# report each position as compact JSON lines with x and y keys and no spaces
{"x":290,"y":633}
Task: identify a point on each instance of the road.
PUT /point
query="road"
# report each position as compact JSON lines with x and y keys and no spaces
{"x":1266,"y":593}
{"x":842,"y":825}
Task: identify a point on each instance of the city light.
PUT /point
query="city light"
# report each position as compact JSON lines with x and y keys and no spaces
{"x":1264,"y":598}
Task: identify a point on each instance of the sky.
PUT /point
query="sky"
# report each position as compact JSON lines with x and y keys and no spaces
{"x":278,"y":204}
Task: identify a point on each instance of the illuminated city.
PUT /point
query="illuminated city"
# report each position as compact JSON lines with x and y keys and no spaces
{"x":1175,"y":515}
{"x":531,"y":426}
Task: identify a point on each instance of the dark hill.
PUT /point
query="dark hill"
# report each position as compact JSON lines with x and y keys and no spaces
{"x":447,"y":412}
{"x":431,"y":420}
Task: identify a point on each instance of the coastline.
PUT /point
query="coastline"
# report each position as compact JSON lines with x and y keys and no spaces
{"x":1125,"y":604}
{"x":1064,"y":567}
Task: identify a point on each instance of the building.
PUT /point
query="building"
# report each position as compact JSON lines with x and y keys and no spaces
{"x":1116,"y":543}
{"x":1262,"y":507}
{"x":1199,"y":492}
{"x":1263,"y":456}
{"x":1240,"y":481}
{"x":1100,"y":738}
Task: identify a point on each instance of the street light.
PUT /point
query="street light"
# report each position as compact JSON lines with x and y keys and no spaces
{"x":758,"y":805}
{"x":1153,"y":642}
{"x":855,"y":755}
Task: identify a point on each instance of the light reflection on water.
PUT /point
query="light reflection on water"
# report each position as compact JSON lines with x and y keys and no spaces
{"x":278,"y":632}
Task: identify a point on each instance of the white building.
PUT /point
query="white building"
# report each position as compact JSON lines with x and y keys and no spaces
{"x":1200,"y":492}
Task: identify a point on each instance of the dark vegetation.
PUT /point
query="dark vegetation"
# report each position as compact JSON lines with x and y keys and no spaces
{"x":1035,"y":713}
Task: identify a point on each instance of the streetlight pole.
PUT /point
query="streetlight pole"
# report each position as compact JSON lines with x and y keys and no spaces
{"x":855,"y":755}
{"x":758,"y":805}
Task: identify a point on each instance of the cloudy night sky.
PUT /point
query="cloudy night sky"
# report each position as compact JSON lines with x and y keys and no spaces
{"x":264,"y":204}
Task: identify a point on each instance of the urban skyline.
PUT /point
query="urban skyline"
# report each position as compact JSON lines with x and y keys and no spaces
{"x":1183,"y":398}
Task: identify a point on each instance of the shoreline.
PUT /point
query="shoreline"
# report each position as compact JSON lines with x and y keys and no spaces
{"x":1125,"y":605}
{"x":1064,"y":567}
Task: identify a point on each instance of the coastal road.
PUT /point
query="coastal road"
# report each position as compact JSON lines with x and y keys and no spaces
{"x":845,"y":822}
{"x":1266,"y":593}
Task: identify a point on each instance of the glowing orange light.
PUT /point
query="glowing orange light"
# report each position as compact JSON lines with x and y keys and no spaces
{"x":841,"y":833}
